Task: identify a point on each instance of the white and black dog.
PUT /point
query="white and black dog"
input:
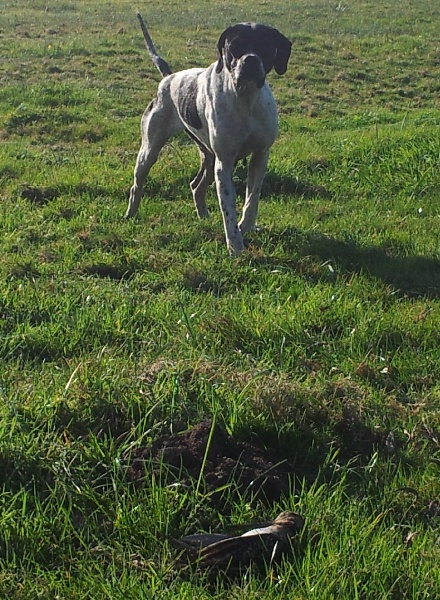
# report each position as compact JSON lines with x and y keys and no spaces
{"x":228,"y":110}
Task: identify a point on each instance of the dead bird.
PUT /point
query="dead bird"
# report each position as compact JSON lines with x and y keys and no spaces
{"x":266,"y":543}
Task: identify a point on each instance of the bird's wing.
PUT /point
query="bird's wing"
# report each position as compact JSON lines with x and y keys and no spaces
{"x":237,"y":550}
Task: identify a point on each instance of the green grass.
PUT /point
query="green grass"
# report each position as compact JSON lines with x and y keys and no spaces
{"x":321,"y":341}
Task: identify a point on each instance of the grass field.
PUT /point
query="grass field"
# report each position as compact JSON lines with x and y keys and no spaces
{"x":321,"y":342}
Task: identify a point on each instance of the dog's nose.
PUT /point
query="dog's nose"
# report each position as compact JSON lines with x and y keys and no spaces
{"x":251,"y":61}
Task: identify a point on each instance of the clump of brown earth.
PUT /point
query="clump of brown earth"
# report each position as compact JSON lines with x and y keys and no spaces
{"x":244,"y":468}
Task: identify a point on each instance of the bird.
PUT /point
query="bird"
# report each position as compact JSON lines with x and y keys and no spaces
{"x":264,"y":543}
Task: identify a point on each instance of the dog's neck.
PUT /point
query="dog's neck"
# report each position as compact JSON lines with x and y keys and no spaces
{"x":245,"y":97}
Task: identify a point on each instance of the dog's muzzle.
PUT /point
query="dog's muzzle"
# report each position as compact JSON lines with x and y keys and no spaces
{"x":248,"y":71}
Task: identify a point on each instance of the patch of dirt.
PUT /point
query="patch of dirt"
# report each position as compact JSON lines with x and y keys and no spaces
{"x":246,"y":468}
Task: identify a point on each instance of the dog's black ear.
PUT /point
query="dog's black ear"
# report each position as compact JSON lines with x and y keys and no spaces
{"x":284,"y":47}
{"x":223,"y":42}
{"x":220,"y":48}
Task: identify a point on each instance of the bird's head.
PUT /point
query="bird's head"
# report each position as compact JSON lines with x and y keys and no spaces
{"x":290,"y":521}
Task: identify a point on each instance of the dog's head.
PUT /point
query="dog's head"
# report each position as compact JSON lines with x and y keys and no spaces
{"x":250,"y":50}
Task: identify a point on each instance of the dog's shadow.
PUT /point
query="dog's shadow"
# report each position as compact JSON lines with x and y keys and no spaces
{"x":409,"y":275}
{"x":274,"y":185}
{"x":279,"y":185}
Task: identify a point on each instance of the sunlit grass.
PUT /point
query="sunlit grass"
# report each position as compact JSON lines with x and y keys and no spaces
{"x":321,"y":341}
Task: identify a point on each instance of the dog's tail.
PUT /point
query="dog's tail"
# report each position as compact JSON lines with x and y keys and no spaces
{"x":159,"y":62}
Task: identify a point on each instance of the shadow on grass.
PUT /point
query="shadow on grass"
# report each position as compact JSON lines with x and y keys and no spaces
{"x":172,"y":188}
{"x":412,"y":275}
{"x":44,"y":195}
{"x":276,"y":184}
{"x":117,"y":272}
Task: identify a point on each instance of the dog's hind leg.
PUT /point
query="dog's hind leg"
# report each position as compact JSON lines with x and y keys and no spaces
{"x":202,"y":181}
{"x":159,"y":123}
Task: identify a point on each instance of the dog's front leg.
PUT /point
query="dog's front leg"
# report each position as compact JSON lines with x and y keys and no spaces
{"x":226,"y":198}
{"x":256,"y":174}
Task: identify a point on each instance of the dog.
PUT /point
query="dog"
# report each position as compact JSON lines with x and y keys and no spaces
{"x":228,"y":110}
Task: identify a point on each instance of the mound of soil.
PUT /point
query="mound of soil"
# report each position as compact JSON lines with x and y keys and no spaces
{"x":246,"y":468}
